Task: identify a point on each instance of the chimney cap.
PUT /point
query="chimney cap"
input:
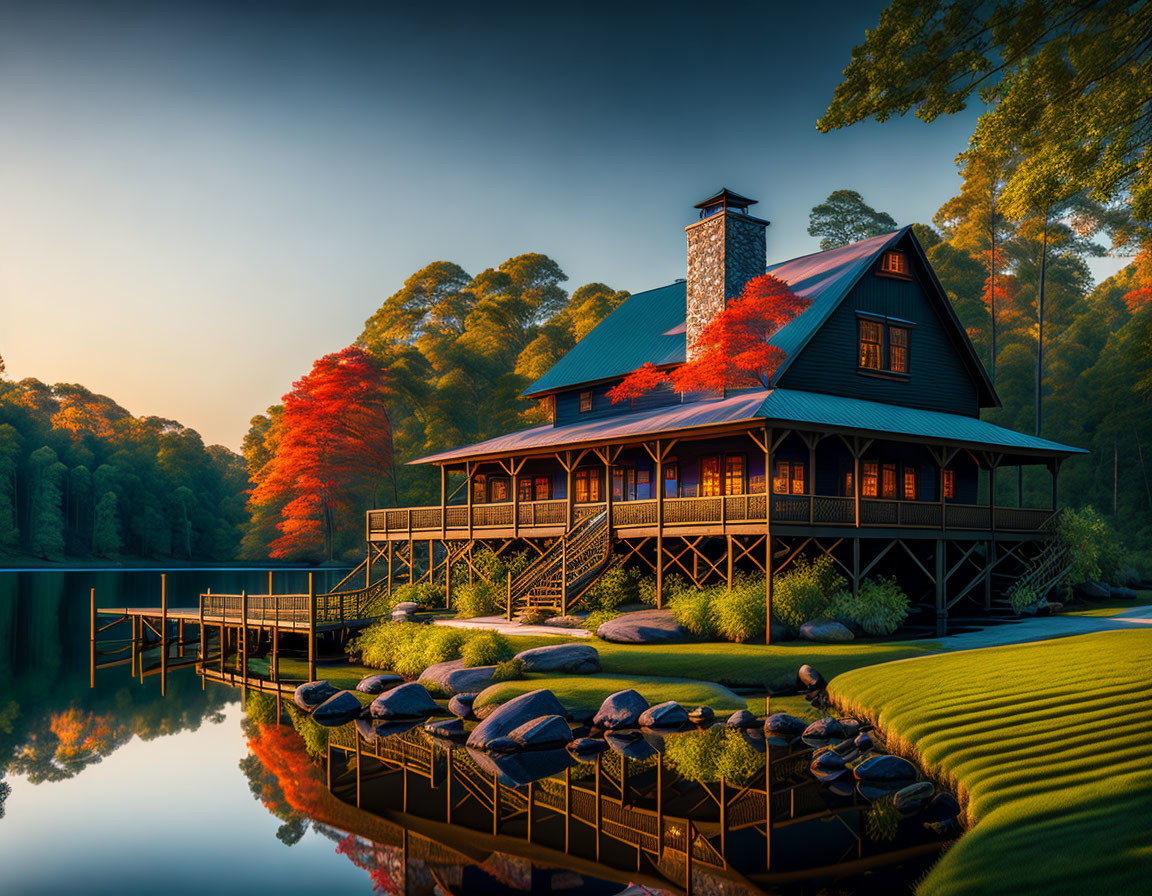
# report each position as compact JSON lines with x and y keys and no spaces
{"x":724,"y":199}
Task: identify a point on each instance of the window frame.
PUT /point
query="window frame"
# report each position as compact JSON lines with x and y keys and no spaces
{"x":726,"y":474}
{"x":671,"y":475}
{"x":901,"y":270}
{"x":948,"y":485}
{"x":889,"y":494}
{"x":910,"y":470}
{"x":789,"y":477}
{"x":586,"y":402}
{"x":589,"y":478}
{"x":711,"y":484}
{"x":886,"y":325}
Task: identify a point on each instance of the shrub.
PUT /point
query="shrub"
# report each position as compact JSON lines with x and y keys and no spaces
{"x":479,"y":598}
{"x":425,"y":594}
{"x":806,"y":591}
{"x":716,"y":753}
{"x":598,"y":617}
{"x":314,"y":735}
{"x":1022,"y":598}
{"x":879,"y":607}
{"x":1095,"y":552}
{"x":617,"y":586}
{"x":673,"y":585}
{"x":739,"y":614}
{"x":509,"y":670}
{"x":485,"y":649}
{"x":442,"y":643}
{"x":693,"y":610}
{"x":535,"y":616}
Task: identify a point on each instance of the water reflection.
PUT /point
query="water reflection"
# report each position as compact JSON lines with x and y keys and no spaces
{"x":705,"y":811}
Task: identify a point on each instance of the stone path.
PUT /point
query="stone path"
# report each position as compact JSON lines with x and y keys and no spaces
{"x":502,"y":625}
{"x":1045,"y":628}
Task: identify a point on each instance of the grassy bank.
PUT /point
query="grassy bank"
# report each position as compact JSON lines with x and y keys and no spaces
{"x":1047,"y":742}
{"x":586,"y":692}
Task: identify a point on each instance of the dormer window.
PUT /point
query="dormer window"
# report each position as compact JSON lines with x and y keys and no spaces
{"x":884,"y":345}
{"x":585,"y":402}
{"x":894,"y":262}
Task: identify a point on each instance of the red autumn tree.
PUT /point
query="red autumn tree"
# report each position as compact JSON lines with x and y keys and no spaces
{"x":732,"y":351}
{"x":334,"y":454}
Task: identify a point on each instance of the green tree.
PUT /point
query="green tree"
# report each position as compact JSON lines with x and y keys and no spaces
{"x":1066,"y":86}
{"x":106,"y":527}
{"x":11,"y":445}
{"x":47,"y":503}
{"x":844,"y":218}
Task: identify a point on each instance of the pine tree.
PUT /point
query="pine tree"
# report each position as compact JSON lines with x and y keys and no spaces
{"x":106,"y":527}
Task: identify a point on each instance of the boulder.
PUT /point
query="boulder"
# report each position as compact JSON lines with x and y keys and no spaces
{"x":453,"y":677}
{"x":941,"y":809}
{"x":783,"y":725}
{"x":827,"y":765}
{"x":822,"y":732}
{"x":669,"y":714}
{"x":409,"y":701}
{"x":401,"y":616}
{"x":911,"y":799}
{"x":756,"y":739}
{"x":521,"y":767}
{"x":810,"y":679}
{"x":389,"y":729}
{"x":312,"y":693}
{"x":742,"y":718}
{"x":546,"y":732}
{"x":366,"y":728}
{"x":863,"y":742}
{"x":502,"y":745}
{"x":461,"y":706}
{"x":826,"y":631}
{"x":586,"y":748}
{"x":337,"y":710}
{"x":408,"y":606}
{"x":701,"y":715}
{"x":851,"y":727}
{"x":630,"y":746}
{"x":507,"y":718}
{"x":620,"y":710}
{"x":885,"y":769}
{"x":450,"y":728}
{"x":1092,"y":591}
{"x":571,"y":659}
{"x":644,"y":627}
{"x":378,"y":684}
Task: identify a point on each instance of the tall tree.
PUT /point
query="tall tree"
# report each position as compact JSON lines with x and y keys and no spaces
{"x":106,"y":527}
{"x":47,"y":503}
{"x":1066,"y":86}
{"x":334,"y":454}
{"x":844,"y":218}
{"x":11,"y":445}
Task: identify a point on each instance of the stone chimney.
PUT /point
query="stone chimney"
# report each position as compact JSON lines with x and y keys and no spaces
{"x":726,"y":249}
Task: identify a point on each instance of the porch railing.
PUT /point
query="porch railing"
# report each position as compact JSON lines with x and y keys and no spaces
{"x":815,"y":510}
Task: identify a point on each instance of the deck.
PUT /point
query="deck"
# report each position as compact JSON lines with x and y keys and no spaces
{"x":729,"y":515}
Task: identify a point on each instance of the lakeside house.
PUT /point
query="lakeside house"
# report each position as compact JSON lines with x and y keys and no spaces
{"x":867,"y":445}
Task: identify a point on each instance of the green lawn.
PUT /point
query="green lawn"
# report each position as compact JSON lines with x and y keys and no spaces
{"x":587,"y":692}
{"x":1049,"y":743}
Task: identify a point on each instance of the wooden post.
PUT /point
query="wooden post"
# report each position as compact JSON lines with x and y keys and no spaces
{"x":941,"y":591}
{"x":443,"y":502}
{"x":448,"y":789}
{"x":203,"y":637}
{"x":312,"y":629}
{"x":724,"y":818}
{"x":856,"y":479}
{"x":367,"y":569}
{"x":92,"y":639}
{"x":567,"y":806}
{"x":1055,"y":482}
{"x":448,"y":579}
{"x":223,"y":641}
{"x":689,"y":836}
{"x":328,"y":770}
{"x":275,"y":667}
{"x":768,"y":804}
{"x":163,"y":634}
{"x":599,"y":808}
{"x":812,"y":478}
{"x":570,"y":509}
{"x":495,"y":804}
{"x":729,"y":540}
{"x":855,"y":566}
{"x":431,"y":563}
{"x":509,"y":595}
{"x":608,"y":487}
{"x":531,"y":800}
{"x":468,"y":470}
{"x":269,"y":582}
{"x":359,"y":764}
{"x":768,"y":564}
{"x":514,"y":475}
{"x":992,"y":496}
{"x":659,"y":525}
{"x":564,"y":575}
{"x":390,"y":558}
{"x":243,"y":634}
{"x":659,"y":805}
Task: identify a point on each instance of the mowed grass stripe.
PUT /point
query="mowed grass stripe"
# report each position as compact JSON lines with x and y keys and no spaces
{"x":1049,"y":744}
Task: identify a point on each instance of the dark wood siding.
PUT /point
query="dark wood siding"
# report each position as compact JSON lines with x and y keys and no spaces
{"x":938,"y":379}
{"x":568,"y":403}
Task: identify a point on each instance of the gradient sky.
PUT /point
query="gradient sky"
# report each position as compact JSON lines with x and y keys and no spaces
{"x":197,"y":200}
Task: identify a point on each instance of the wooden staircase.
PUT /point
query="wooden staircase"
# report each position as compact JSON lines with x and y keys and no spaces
{"x":561,"y":575}
{"x":1046,"y":570}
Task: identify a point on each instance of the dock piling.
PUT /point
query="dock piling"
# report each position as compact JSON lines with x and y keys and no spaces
{"x":92,"y":639}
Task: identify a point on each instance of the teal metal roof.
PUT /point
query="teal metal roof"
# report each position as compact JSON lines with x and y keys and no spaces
{"x":648,"y":326}
{"x":774,"y":405}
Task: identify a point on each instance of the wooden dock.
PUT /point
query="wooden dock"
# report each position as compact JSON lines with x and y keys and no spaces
{"x":223,"y":624}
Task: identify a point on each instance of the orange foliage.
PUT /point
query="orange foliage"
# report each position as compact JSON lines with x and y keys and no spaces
{"x":732,"y":351}
{"x":80,"y":735}
{"x":336,"y":443}
{"x":1138,"y":298}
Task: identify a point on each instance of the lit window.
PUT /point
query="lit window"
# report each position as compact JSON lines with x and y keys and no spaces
{"x":543,"y":488}
{"x":524,"y":488}
{"x":871,"y":345}
{"x":949,"y":485}
{"x":870,"y":483}
{"x":624,"y":484}
{"x":671,"y":481}
{"x":499,"y":489}
{"x":734,"y":474}
{"x":848,"y":492}
{"x":585,"y":402}
{"x":479,"y":488}
{"x":894,"y":262}
{"x":909,"y":483}
{"x":789,"y":478}
{"x":587,"y":486}
{"x":898,"y":349}
{"x":888,"y":481}
{"x":709,"y":477}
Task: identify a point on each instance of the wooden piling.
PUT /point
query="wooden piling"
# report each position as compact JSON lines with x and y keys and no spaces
{"x":312,"y":628}
{"x":163,"y":634}
{"x":243,"y":634}
{"x":92,"y":639}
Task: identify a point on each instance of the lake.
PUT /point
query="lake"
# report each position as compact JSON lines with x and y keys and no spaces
{"x":116,"y":789}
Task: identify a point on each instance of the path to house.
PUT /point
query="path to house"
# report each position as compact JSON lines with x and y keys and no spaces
{"x":502,"y":625}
